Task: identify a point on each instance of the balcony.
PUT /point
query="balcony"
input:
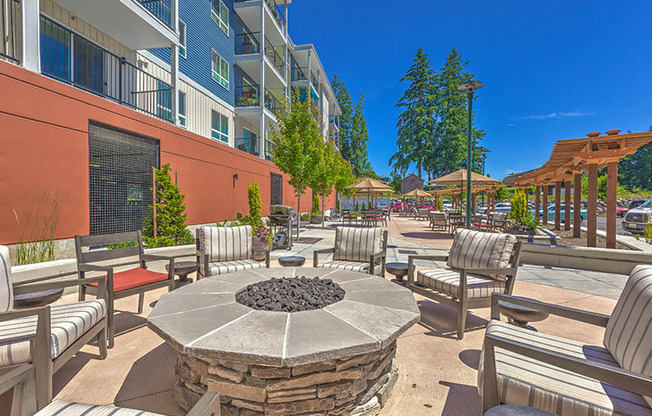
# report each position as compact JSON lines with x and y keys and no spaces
{"x":275,"y":57}
{"x":248,"y":144}
{"x":137,"y":24}
{"x":299,"y":77}
{"x":247,"y":43}
{"x":10,"y":24}
{"x":72,"y":59}
{"x":247,"y":96}
{"x":272,"y":103}
{"x":269,"y":147}
{"x":249,"y":12}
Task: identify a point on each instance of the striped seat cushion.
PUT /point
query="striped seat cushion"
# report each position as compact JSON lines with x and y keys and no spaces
{"x":64,"y":408}
{"x":6,"y":289}
{"x":353,"y":266}
{"x":223,"y":267}
{"x":69,"y":322}
{"x":476,"y":249}
{"x":447,"y":281}
{"x":357,"y":244}
{"x":628,"y":335}
{"x":527,"y":382}
{"x":226,"y":243}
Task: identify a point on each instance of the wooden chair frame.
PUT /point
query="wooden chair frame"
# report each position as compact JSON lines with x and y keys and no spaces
{"x":86,"y":262}
{"x":618,"y":377}
{"x":463,"y":303}
{"x":43,"y":364}
{"x":380,"y":257}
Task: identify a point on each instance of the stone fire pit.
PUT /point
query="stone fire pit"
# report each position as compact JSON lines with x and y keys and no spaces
{"x":335,"y":360}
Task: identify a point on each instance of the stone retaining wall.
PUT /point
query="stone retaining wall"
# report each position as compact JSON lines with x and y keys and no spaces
{"x":358,"y":385}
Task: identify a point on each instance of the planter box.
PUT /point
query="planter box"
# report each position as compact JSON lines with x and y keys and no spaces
{"x":316,"y":219}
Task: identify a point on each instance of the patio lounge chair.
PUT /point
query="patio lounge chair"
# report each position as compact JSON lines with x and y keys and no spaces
{"x":357,"y":249}
{"x":223,"y":250}
{"x":568,"y":377}
{"x":47,"y":336}
{"x":477,"y":265}
{"x":135,"y":281}
{"x":21,"y":379}
{"x":438,"y":221}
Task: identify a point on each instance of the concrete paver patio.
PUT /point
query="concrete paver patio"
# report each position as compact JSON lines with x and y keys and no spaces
{"x":437,"y":372}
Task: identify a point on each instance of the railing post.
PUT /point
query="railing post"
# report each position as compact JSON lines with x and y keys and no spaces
{"x":31,"y":55}
{"x":120,"y":80}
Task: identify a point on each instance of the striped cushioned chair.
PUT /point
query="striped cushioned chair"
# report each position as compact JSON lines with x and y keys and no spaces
{"x":356,"y":249}
{"x":568,"y":377}
{"x":478,"y":264}
{"x":226,"y":249}
{"x":24,"y":334}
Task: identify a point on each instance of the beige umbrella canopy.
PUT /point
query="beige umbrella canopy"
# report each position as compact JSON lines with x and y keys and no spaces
{"x":417,"y":192}
{"x":459,"y":176}
{"x":369,"y":186}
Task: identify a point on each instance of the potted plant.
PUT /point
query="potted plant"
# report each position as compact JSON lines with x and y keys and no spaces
{"x":261,"y":241}
{"x":316,"y":216}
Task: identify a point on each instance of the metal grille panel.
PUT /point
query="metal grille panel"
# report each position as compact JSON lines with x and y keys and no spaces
{"x":120,"y":166}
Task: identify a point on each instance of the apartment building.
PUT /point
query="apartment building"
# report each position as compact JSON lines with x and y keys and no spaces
{"x":197,"y":83}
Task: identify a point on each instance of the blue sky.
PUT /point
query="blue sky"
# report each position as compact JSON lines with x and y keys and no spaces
{"x":552,"y":69}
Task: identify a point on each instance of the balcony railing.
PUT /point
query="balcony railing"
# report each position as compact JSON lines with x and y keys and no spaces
{"x":269,"y":147}
{"x":247,"y":96}
{"x":72,"y":59}
{"x":334,"y":122}
{"x":247,"y":43}
{"x":298,"y":73}
{"x":161,"y":9}
{"x":276,"y":11}
{"x":9,"y":27}
{"x":248,"y":144}
{"x":272,"y":103}
{"x":275,"y":57}
{"x":313,"y":81}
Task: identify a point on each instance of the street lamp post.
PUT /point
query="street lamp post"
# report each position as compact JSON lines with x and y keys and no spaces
{"x":469,"y":88}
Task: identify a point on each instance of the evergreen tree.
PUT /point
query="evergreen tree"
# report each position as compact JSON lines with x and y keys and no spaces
{"x":170,"y":216}
{"x":416,"y":124}
{"x":452,"y":120}
{"x":346,"y":118}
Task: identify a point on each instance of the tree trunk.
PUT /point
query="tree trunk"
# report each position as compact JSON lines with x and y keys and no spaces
{"x":323,"y":210}
{"x":298,"y":216}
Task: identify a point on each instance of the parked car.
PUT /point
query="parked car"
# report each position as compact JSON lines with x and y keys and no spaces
{"x":505,"y":207}
{"x":620,"y":211}
{"x":446,"y":204}
{"x":551,"y":213}
{"x":398,"y":207}
{"x":637,"y":218}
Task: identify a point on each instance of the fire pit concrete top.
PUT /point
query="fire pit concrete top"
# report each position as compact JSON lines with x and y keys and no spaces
{"x":203,"y":320}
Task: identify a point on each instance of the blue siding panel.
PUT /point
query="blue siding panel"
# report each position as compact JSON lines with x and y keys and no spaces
{"x":202,"y":36}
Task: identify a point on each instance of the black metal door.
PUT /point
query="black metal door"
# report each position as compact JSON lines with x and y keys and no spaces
{"x":276,"y":189}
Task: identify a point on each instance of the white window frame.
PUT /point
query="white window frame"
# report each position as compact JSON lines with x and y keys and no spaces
{"x":217,"y":15}
{"x":182,"y":33}
{"x":182,"y":117}
{"x":217,"y":75}
{"x":219,"y":134}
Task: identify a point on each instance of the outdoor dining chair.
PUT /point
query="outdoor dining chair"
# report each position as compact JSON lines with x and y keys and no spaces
{"x":438,"y":221}
{"x":48,"y":336}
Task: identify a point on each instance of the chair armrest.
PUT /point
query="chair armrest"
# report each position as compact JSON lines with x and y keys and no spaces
{"x":17,"y":314}
{"x":208,"y":404}
{"x":316,"y":253}
{"x":157,"y":257}
{"x":433,"y":257}
{"x":615,"y":376}
{"x":37,"y":287}
{"x":373,"y":259}
{"x":511,"y":271}
{"x":202,"y":259}
{"x":15,"y":377}
{"x":90,"y":267}
{"x":593,"y":318}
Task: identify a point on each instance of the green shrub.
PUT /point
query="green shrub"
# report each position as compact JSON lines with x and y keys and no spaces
{"x":337,"y":204}
{"x":520,"y":214}
{"x":364,"y":207}
{"x":357,"y":206}
{"x":38,"y":229}
{"x":171,"y":227}
{"x":315,"y":205}
{"x":255,"y":204}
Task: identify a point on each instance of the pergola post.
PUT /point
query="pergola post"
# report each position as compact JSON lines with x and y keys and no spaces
{"x":592,"y":222}
{"x":545,"y":204}
{"x":577,"y":204}
{"x":558,"y":205}
{"x":612,"y":190}
{"x":537,"y":201}
{"x":567,"y":204}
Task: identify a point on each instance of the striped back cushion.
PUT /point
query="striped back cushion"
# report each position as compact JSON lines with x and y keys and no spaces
{"x":6,"y":290}
{"x":227,"y":243}
{"x":475,"y":249}
{"x":357,"y":244}
{"x":628,"y":335}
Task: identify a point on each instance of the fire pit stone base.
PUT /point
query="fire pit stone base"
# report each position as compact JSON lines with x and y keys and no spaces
{"x":356,"y":385}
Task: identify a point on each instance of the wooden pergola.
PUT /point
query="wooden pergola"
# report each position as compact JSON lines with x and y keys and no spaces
{"x":475,"y":190}
{"x":569,"y":159}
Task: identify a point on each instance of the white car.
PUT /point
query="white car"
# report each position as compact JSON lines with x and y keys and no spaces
{"x":505,"y":207}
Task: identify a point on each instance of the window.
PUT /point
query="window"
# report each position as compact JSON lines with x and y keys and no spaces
{"x":220,"y":14}
{"x":182,"y":39}
{"x":182,"y":109}
{"x":163,"y":101}
{"x":220,"y":70}
{"x":219,"y":126}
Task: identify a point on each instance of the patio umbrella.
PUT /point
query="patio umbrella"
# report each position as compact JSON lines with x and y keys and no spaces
{"x":370,"y":186}
{"x":417,"y":192}
{"x":459,"y":177}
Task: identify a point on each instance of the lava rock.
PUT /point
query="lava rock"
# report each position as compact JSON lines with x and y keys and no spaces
{"x":290,"y":294}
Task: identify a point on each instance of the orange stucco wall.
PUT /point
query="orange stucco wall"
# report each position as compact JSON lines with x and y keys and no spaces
{"x":44,"y":146}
